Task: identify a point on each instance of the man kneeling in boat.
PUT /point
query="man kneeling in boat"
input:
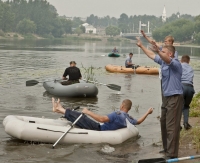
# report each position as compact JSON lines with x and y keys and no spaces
{"x":74,"y":74}
{"x":128,"y":62}
{"x":113,"y":121}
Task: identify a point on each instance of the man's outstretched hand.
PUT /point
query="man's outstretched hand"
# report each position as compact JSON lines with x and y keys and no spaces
{"x":150,"y":110}
{"x":139,"y":43}
{"x":143,"y":34}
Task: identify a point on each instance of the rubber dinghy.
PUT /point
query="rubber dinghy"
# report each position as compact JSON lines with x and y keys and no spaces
{"x":140,"y":70}
{"x":49,"y":131}
{"x":81,"y":89}
{"x":113,"y":55}
{"x":120,"y":69}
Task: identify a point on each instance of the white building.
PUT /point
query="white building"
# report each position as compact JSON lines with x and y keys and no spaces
{"x":89,"y":28}
{"x":164,"y":15}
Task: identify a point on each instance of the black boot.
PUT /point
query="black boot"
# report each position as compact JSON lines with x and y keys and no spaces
{"x":187,"y":126}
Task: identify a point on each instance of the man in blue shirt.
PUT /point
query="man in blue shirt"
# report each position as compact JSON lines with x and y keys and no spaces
{"x":128,"y":62}
{"x":172,"y":101}
{"x":114,"y":50}
{"x":169,"y":40}
{"x":188,"y":89}
{"x":113,"y":121}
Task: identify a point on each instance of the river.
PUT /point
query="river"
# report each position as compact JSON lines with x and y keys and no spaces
{"x":43,"y":59}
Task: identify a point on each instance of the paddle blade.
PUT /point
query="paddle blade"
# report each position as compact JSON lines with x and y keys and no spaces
{"x":114,"y":87}
{"x":153,"y":160}
{"x":31,"y":82}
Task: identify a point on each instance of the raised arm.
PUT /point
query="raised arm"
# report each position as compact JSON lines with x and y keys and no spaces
{"x":151,"y":41}
{"x":164,"y":54}
{"x":140,"y":120}
{"x":96,"y":117}
{"x":148,"y":52}
{"x":145,"y":36}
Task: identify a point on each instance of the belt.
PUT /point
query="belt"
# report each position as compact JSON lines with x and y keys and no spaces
{"x":186,"y":84}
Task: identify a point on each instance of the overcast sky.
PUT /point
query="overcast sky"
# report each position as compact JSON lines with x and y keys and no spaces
{"x":114,"y":8}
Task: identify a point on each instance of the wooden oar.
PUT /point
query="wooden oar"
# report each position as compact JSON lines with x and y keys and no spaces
{"x":34,"y":82}
{"x":111,"y":86}
{"x":162,"y":160}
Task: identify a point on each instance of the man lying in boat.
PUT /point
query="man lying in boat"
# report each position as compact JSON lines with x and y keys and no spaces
{"x":128,"y":62}
{"x":113,"y":121}
{"x":74,"y":74}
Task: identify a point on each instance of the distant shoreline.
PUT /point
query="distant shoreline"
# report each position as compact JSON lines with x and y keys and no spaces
{"x":92,"y":37}
{"x":88,"y":37}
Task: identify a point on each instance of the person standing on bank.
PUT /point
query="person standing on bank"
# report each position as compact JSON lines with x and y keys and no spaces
{"x":172,"y":101}
{"x":74,"y":74}
{"x":188,"y":89}
{"x":169,"y":40}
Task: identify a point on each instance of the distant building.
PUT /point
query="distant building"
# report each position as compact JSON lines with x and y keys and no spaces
{"x":164,"y":15}
{"x":89,"y":28}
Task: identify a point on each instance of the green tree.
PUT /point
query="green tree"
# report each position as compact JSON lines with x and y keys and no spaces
{"x":58,"y":29}
{"x":82,"y":28}
{"x":123,"y":19}
{"x":6,"y":17}
{"x":26,"y":26}
{"x":78,"y":31}
{"x":197,"y":38}
{"x":112,"y":31}
{"x":197,"y":24}
{"x":76,"y":22}
{"x":181,"y":30}
{"x":67,"y":25}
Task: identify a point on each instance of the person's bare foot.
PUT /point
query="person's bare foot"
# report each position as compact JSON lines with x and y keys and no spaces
{"x":59,"y":106}
{"x":54,"y":105}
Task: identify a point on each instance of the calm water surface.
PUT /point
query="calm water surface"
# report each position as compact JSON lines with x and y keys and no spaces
{"x":25,"y":60}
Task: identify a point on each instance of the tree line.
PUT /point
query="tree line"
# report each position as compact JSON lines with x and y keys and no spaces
{"x":33,"y":16}
{"x":181,"y":29}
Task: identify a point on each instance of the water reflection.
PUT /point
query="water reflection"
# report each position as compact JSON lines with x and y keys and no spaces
{"x":45,"y":59}
{"x":90,"y":102}
{"x":128,"y":81}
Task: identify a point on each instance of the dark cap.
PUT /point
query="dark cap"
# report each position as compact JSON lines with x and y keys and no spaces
{"x":72,"y":62}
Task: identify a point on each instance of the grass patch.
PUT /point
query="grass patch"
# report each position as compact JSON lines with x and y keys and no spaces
{"x":28,"y":36}
{"x":192,"y":136}
{"x":15,"y":35}
{"x":195,"y":106}
{"x":88,"y":73}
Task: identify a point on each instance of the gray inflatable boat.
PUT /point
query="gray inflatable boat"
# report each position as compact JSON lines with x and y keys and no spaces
{"x":81,"y":89}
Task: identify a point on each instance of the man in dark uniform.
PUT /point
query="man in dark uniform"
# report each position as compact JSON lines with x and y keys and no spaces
{"x":74,"y":74}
